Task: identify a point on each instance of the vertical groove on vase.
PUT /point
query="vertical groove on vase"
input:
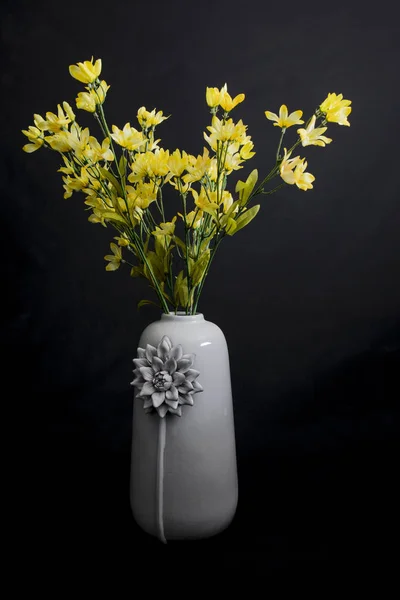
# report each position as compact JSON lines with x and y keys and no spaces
{"x":160,"y":479}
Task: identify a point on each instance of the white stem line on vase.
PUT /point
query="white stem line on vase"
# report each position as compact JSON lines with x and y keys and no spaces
{"x":160,"y":478}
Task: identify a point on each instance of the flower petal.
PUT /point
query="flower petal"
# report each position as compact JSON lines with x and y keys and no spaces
{"x":147,"y":373}
{"x":172,"y":393}
{"x":176,"y":411}
{"x":171,"y":365}
{"x":150,"y":352}
{"x":138,"y":382}
{"x":172,"y":403}
{"x":178,"y":378}
{"x":191,"y":374}
{"x":157,"y":364}
{"x":176,"y":352}
{"x":163,"y":348}
{"x":185,"y":387}
{"x":167,"y":341}
{"x":158,"y":398}
{"x":147,"y":403}
{"x":148,"y":389}
{"x":197,"y":387}
{"x":184,"y":364}
{"x":162,"y":410}
{"x":141,"y":362}
{"x":141,"y":352}
{"x":186,"y":399}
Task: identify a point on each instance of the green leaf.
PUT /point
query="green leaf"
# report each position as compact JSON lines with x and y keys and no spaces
{"x":245,"y":188}
{"x":110,"y":216}
{"x":159,"y":247}
{"x":156,"y":266}
{"x":146,"y":244}
{"x":200,"y":267}
{"x":231,"y":226}
{"x":232,"y":208}
{"x":183,"y":293}
{"x":108,"y":175}
{"x":180,"y":243}
{"x":137,"y":271}
{"x":122,"y":166}
{"x":144,"y":302}
{"x":178,"y":283}
{"x":246,"y":217}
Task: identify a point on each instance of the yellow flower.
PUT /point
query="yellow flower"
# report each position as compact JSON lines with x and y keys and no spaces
{"x":75,"y":184}
{"x":292,"y":172}
{"x":69,"y":112}
{"x":178,"y":162}
{"x":40,"y":122}
{"x":303,"y":180}
{"x":149,"y":119}
{"x":193,"y":218}
{"x":205,"y":202}
{"x":212,"y":97}
{"x":313,"y":137}
{"x":34,"y":135}
{"x":139,"y":167}
{"x":226,"y":200}
{"x":165,"y":229}
{"x":197,"y":167}
{"x":128,"y":137}
{"x":212,"y":171}
{"x":68,"y":169}
{"x":86,"y":72}
{"x":158,"y":162}
{"x":114,"y":259}
{"x":59,"y":141}
{"x":78,"y":139}
{"x":142,"y":195}
{"x":336,"y":109}
{"x":56,"y":122}
{"x":122,"y":240}
{"x":284,"y":119}
{"x":225,"y":131}
{"x":85,"y":101}
{"x":225,"y":100}
{"x":232,"y":161}
{"x":94,"y":152}
{"x":246,"y":151}
{"x":29,"y":148}
{"x":99,"y":94}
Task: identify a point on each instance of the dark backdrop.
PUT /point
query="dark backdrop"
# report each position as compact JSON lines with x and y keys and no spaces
{"x":308,"y":296}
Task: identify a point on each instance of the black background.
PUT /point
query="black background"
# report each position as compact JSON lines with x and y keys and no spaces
{"x":308,"y":296}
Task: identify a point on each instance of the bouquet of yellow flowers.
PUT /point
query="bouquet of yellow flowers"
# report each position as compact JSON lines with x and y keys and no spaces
{"x":123,"y":176}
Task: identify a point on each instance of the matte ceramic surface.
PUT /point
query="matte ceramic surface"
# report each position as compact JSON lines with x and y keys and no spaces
{"x":199,"y":487}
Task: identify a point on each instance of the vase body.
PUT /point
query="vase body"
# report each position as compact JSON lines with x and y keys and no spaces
{"x":194,"y":493}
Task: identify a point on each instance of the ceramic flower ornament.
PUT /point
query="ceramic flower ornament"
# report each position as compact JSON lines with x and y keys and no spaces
{"x":165,"y":378}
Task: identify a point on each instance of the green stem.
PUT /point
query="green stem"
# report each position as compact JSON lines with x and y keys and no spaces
{"x":280,"y":144}
{"x":212,"y":254}
{"x":153,"y":277}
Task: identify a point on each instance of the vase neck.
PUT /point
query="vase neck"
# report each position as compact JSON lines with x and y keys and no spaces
{"x":181,"y":316}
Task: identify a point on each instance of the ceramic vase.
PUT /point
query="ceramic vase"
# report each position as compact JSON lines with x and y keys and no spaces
{"x":183,"y":467}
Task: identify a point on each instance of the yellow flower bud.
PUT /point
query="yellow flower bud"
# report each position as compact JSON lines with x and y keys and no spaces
{"x":86,"y":101}
{"x":212,"y":97}
{"x":86,"y":72}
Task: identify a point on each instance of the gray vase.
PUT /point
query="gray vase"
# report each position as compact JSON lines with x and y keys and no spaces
{"x":183,"y":469}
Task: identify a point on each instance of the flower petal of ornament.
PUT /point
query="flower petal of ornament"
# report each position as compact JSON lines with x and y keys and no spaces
{"x":164,"y":378}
